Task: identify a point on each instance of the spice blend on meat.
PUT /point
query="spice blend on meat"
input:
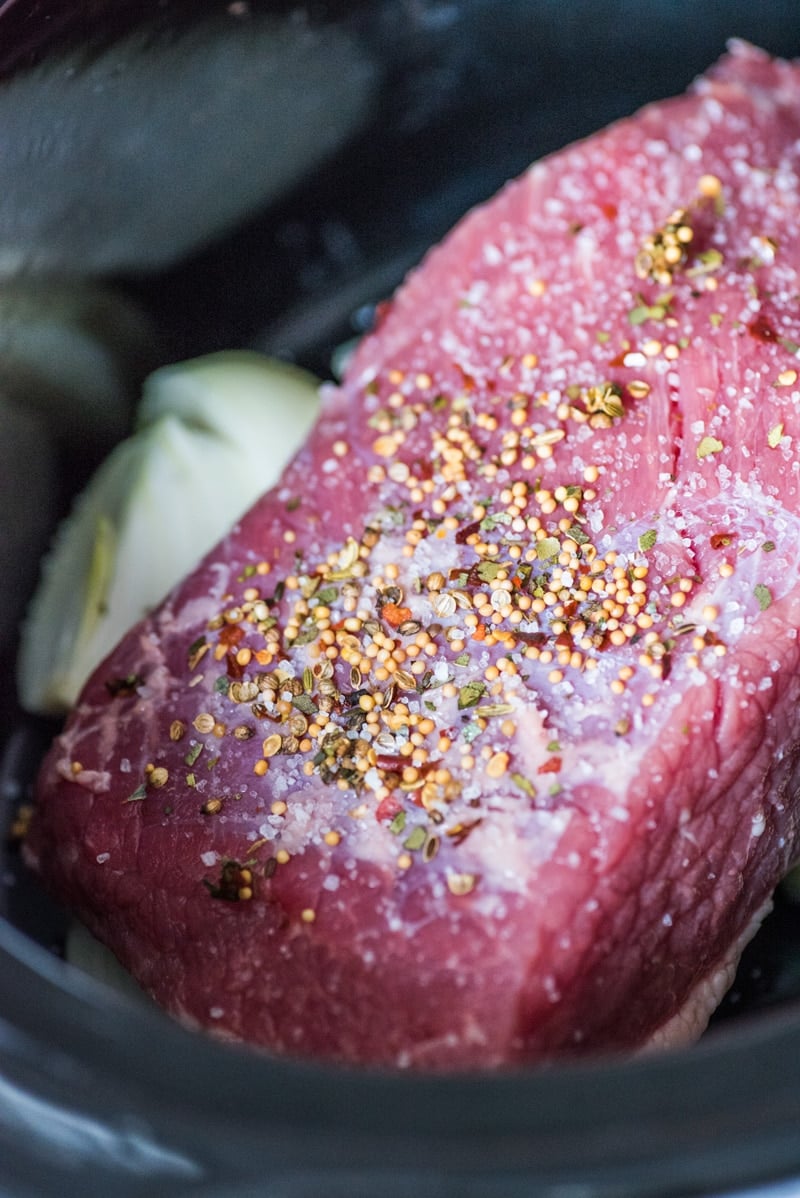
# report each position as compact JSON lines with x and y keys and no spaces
{"x":475,"y":741}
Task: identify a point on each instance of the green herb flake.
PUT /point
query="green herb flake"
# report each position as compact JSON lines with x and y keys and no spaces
{"x":602,"y":336}
{"x":306,"y":635}
{"x":196,"y":651}
{"x":547,"y":548}
{"x":194,"y":752}
{"x":488,"y":571}
{"x":191,"y":780}
{"x":470,"y":694}
{"x":657,"y":311}
{"x":639,"y":314}
{"x":398,"y":823}
{"x":553,"y":747}
{"x":707,"y":447}
{"x":293,"y":504}
{"x":763,"y":595}
{"x":774,"y":436}
{"x":305,"y":704}
{"x":470,"y":731}
{"x":416,"y":838}
{"x":707,"y":261}
{"x":647,"y":540}
{"x":715,"y":319}
{"x":768,"y":546}
{"x":462,"y":659}
{"x":576,"y":533}
{"x":246,"y":573}
{"x":524,"y":784}
{"x":138,"y":794}
{"x":326,"y":596}
{"x":788,"y":344}
{"x":222,"y":684}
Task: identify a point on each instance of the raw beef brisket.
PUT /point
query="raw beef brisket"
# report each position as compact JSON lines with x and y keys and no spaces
{"x":476,"y":741}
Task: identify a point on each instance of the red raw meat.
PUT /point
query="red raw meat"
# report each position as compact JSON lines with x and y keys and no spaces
{"x":476,"y":741}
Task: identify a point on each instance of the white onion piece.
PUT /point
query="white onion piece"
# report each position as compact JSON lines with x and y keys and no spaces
{"x":212,"y":435}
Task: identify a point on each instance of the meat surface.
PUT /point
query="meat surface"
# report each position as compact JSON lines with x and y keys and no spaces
{"x":476,"y":741}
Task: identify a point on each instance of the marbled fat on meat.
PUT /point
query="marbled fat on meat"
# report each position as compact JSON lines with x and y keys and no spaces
{"x":476,"y":741}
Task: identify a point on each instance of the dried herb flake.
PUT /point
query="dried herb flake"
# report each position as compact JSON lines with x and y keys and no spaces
{"x":547,"y":548}
{"x":416,"y":838}
{"x":763,"y":595}
{"x":470,"y":694}
{"x":578,"y":535}
{"x":326,"y":595}
{"x":194,"y":752}
{"x":398,"y":823}
{"x":488,"y":571}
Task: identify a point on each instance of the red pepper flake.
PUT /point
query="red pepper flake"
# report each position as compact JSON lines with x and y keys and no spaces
{"x":761,"y":328}
{"x":234,"y":669}
{"x":231,"y":634}
{"x":551,"y":766}
{"x":467,"y":379}
{"x":467,"y":530}
{"x":391,"y":762}
{"x":387,"y":809}
{"x":395,"y":615}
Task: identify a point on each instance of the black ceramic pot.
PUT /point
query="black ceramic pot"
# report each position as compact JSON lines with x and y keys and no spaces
{"x":261,"y":174}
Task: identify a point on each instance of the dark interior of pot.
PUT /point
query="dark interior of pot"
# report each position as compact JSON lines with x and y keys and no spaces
{"x":389,"y":121}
